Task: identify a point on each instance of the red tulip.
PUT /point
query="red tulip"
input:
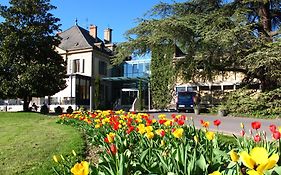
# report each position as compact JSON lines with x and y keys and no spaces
{"x":162,"y":121}
{"x":257,"y":138}
{"x":276,"y":135}
{"x":183,"y":117}
{"x":113,"y":149}
{"x":162,"y":133}
{"x":217,"y":122}
{"x":272,"y":128}
{"x":130,"y":129}
{"x":242,"y":133}
{"x":180,"y":122}
{"x":106,"y":140}
{"x":256,"y":125}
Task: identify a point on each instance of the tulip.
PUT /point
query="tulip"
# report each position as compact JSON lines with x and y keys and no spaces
{"x":210,"y":135}
{"x":234,"y":156}
{"x":74,"y":153}
{"x":217,"y":122}
{"x":215,"y":173}
{"x":272,"y":128}
{"x":242,"y":125}
{"x":242,"y":133}
{"x":149,"y":135}
{"x":55,"y":158}
{"x":178,"y":133}
{"x":256,"y":125}
{"x":276,"y":135}
{"x":258,"y":161}
{"x":257,"y":138}
{"x":180,"y":122}
{"x":113,"y":149}
{"x":80,"y":168}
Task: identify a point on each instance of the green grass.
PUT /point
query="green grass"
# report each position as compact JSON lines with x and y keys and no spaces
{"x":29,"y":140}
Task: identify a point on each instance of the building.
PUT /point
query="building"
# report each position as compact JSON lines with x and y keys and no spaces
{"x":131,"y":85}
{"x":88,"y":59}
{"x":210,"y":91}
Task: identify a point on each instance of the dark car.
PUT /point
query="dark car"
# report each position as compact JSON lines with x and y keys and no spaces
{"x":185,"y":101}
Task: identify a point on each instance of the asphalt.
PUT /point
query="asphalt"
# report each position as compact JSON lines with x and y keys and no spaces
{"x":229,"y":125}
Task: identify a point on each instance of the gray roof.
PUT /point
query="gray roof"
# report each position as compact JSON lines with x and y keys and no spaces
{"x":77,"y":37}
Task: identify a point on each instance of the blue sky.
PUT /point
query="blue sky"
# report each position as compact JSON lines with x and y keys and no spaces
{"x":120,"y":15}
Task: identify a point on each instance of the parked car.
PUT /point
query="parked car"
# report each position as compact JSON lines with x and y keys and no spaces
{"x":185,"y":101}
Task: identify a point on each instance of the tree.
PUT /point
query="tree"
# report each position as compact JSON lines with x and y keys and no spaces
{"x":29,"y":64}
{"x":217,"y":36}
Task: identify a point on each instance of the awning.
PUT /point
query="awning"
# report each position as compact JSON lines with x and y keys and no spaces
{"x":125,"y":79}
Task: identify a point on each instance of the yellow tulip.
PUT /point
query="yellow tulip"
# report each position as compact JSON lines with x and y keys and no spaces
{"x":168,"y":123}
{"x":257,"y":161}
{"x":149,"y":135}
{"x":80,"y":168}
{"x":210,"y":135}
{"x":234,"y":156}
{"x":55,"y":158}
{"x":149,"y":129}
{"x":178,"y":133}
{"x":141,"y":128}
{"x":242,"y":125}
{"x":196,"y":139}
{"x":162,"y":116}
{"x":162,"y":143}
{"x":97,"y":126}
{"x":215,"y":173}
{"x":74,"y":153}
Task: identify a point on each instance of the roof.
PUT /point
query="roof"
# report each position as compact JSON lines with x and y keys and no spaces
{"x":77,"y":37}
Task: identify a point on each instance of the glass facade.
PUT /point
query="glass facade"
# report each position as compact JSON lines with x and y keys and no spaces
{"x":137,"y":68}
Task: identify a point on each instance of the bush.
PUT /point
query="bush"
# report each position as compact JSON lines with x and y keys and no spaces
{"x":44,"y":109}
{"x":69,"y":110}
{"x":254,"y":103}
{"x":58,"y":110}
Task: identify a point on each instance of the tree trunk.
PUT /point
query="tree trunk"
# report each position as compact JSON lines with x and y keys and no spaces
{"x":26,"y":101}
{"x":265,"y":20}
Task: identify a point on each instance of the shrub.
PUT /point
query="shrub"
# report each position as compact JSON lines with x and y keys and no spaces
{"x":58,"y":110}
{"x":44,"y":109}
{"x":254,"y":103}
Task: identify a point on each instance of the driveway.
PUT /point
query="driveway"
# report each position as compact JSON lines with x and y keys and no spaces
{"x":229,"y":125}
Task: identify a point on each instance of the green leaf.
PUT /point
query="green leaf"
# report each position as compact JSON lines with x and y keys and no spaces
{"x":202,"y":163}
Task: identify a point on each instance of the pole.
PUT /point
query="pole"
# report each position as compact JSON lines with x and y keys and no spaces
{"x":148,"y":84}
{"x":91,"y":99}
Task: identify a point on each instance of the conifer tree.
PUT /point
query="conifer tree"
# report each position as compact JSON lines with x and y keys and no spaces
{"x":29,"y":65}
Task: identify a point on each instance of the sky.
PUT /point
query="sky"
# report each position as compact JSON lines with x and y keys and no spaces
{"x":120,"y":15}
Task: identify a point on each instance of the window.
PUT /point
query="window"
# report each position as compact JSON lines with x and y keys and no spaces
{"x":102,"y":68}
{"x":135,"y":68}
{"x":76,"y":66}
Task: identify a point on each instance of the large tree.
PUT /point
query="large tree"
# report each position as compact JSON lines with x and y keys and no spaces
{"x":29,"y":64}
{"x":217,"y":36}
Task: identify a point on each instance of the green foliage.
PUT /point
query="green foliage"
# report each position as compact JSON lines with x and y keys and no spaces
{"x":162,"y":76}
{"x":217,"y":36}
{"x":97,"y":94}
{"x":253,"y":103}
{"x":28,"y":62}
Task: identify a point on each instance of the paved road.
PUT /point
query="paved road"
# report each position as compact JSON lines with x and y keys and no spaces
{"x":230,"y":125}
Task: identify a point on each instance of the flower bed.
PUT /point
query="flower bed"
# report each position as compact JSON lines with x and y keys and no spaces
{"x":141,"y":144}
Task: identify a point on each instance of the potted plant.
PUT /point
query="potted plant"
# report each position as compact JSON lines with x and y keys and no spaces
{"x":196,"y":104}
{"x":222,"y":111}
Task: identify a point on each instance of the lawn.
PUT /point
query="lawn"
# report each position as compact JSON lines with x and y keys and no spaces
{"x":29,"y":140}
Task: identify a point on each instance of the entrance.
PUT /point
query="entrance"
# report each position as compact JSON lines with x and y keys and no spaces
{"x":128,"y":96}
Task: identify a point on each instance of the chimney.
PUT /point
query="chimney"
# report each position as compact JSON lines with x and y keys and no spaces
{"x":94,"y":31}
{"x":107,"y":35}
